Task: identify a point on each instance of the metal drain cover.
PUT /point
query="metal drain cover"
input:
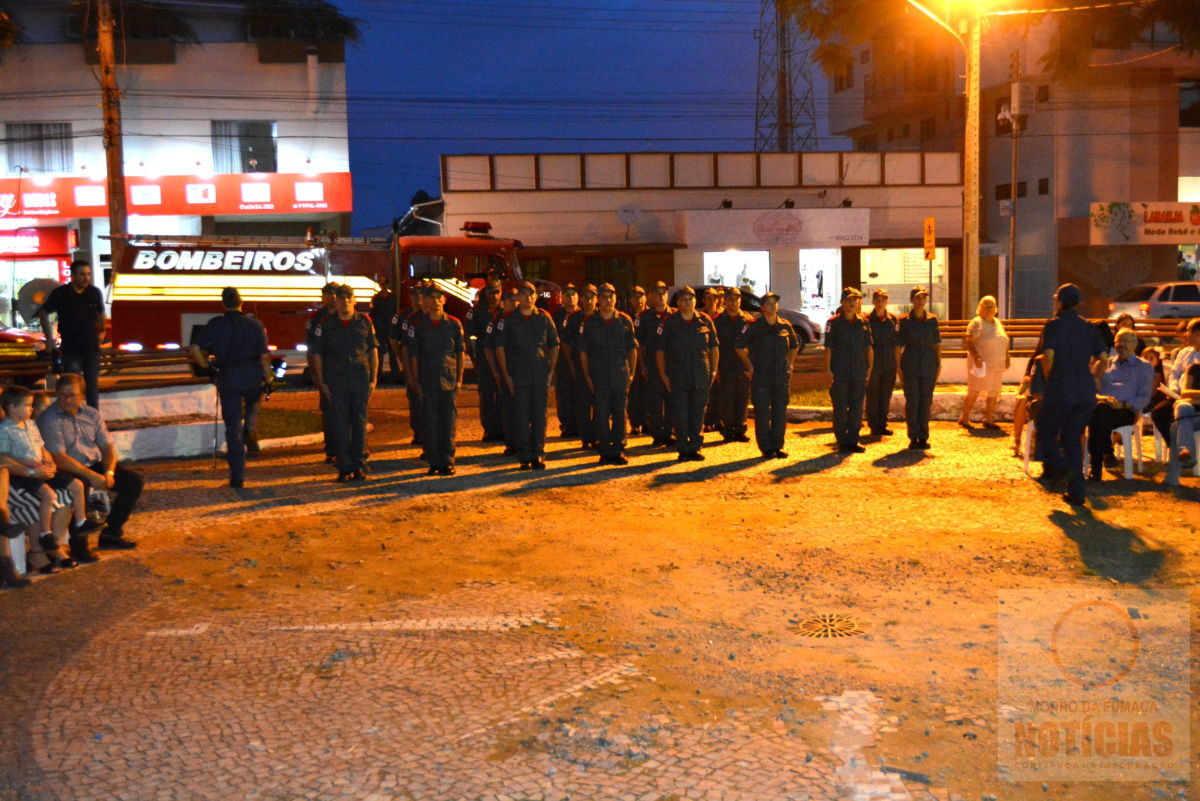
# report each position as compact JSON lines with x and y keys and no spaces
{"x":827,"y":626}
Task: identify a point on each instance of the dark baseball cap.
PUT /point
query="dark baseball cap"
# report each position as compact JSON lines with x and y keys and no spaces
{"x":732,"y":292}
{"x":636,"y":290}
{"x":660,"y":285}
{"x":527,"y":286}
{"x":1068,"y":295}
{"x":850,"y":292}
{"x":569,"y":288}
{"x":230,"y":296}
{"x":606,"y":289}
{"x":917,"y":290}
{"x":434,"y":289}
{"x":588,"y":289}
{"x":770,"y":296}
{"x":687,"y":290}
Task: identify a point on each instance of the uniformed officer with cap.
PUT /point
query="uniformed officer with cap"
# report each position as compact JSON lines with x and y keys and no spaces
{"x":526,"y":352}
{"x":504,"y":397}
{"x":885,"y":328}
{"x":437,"y":348}
{"x":767,"y":348}
{"x":687,"y":358}
{"x":585,"y":421}
{"x":658,"y":410}
{"x":564,"y":373}
{"x":328,"y":307}
{"x":848,"y":359}
{"x":238,"y":343}
{"x":478,"y":320}
{"x":731,"y":393}
{"x":345,"y":364}
{"x":919,"y":355}
{"x":608,"y":356}
{"x":712,"y":304}
{"x":397,"y":337}
{"x":638,"y":423}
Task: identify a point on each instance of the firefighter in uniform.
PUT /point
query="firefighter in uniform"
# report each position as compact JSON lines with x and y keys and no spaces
{"x":608,"y":358}
{"x":712,"y":304}
{"x":686,"y":356}
{"x":504,"y":398}
{"x":885,"y":328}
{"x":526,"y":352}
{"x":397,"y":338}
{"x":638,"y":408}
{"x":564,"y":373}
{"x":328,"y":307}
{"x":238,"y":342}
{"x":848,"y":360}
{"x":658,"y":408}
{"x":919,"y":354}
{"x":345,"y":364}
{"x":732,"y":391}
{"x":436,"y":348}
{"x":478,"y":320}
{"x":767,"y":348}
{"x":585,"y":421}
{"x":384,"y":305}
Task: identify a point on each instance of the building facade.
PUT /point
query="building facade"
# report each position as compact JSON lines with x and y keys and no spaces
{"x":1123,"y":132}
{"x":221,"y":136}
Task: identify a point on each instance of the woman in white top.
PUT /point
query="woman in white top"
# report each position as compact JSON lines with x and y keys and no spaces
{"x":987,"y":359}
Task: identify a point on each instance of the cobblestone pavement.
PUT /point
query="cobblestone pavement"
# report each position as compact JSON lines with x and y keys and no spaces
{"x":571,"y":634}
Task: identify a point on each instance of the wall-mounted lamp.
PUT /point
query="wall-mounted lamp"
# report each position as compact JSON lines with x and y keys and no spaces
{"x":787,"y":204}
{"x":726,"y":204}
{"x":847,"y":203}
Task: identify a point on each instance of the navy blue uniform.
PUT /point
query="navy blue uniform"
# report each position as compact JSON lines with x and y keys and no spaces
{"x":383,"y":311}
{"x":504,"y":398}
{"x":607,"y":344}
{"x":477,"y":323}
{"x":1070,"y":395}
{"x":237,"y":342}
{"x":769,"y":347}
{"x":564,"y":382}
{"x":920,"y":362}
{"x":310,"y":343}
{"x":658,"y":402}
{"x":687,"y":349}
{"x":401,"y":323}
{"x":581,"y":396}
{"x":849,"y":343}
{"x":346,"y":348}
{"x":732,"y":390}
{"x":437,"y":345}
{"x":528,"y":344}
{"x":882,"y":382}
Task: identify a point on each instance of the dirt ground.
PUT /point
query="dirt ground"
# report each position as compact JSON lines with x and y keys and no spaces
{"x":698,"y":575}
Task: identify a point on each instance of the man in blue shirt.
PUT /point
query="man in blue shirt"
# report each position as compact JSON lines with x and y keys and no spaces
{"x":1073,"y":349}
{"x":1125,"y":387}
{"x":80,"y":309}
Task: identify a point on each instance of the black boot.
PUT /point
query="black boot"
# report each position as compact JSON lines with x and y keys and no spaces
{"x":50,"y":548}
{"x":80,"y":552}
{"x":9,"y":577}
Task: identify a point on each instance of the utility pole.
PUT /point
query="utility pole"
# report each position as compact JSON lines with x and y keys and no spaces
{"x":972,"y":193}
{"x":1015,"y":112}
{"x":113,"y":145}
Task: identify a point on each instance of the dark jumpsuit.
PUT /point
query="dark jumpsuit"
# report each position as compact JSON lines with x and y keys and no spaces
{"x":686,"y":345}
{"x":1070,"y":395}
{"x":585,"y":410}
{"x":607,"y":344}
{"x":528,"y":344}
{"x":849,"y":342}
{"x":238,"y":342}
{"x":346,"y":348}
{"x":882,"y":381}
{"x":489,"y":390}
{"x":732,"y":390}
{"x":310,"y":344}
{"x":769,"y":346}
{"x":383,"y":311}
{"x":638,"y":409}
{"x":919,"y":361}
{"x":436,"y":345}
{"x":401,"y":323}
{"x":564,"y":384}
{"x":658,"y":402}
{"x":504,"y":399}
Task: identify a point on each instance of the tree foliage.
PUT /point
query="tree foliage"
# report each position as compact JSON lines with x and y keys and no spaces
{"x":138,"y":19}
{"x":10,"y":30}
{"x":837,"y":25}
{"x":302,"y":20}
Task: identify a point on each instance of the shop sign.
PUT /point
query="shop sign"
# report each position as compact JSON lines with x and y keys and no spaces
{"x":208,"y":261}
{"x":1145,"y":223}
{"x":34,"y":242}
{"x":228,"y":194}
{"x":794,"y":227}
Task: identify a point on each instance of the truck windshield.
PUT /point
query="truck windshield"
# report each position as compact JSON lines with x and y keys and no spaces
{"x":461,"y":266}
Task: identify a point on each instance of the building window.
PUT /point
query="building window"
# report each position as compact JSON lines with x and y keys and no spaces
{"x":244,"y":146}
{"x":615,"y":270}
{"x":867,"y":144}
{"x":891,"y":134}
{"x":907,"y":131}
{"x":535,"y":268}
{"x":1043,"y":94}
{"x":865,"y":56}
{"x":1189,"y":104}
{"x":1004,"y":191}
{"x":40,"y":147}
{"x":928,"y":128}
{"x":1043,"y":186}
{"x":844,"y":80}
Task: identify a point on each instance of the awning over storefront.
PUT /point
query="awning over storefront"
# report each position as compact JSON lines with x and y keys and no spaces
{"x":808,"y":228}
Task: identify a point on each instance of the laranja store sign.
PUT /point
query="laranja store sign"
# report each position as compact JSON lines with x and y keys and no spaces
{"x":209,"y":261}
{"x":1145,"y":224}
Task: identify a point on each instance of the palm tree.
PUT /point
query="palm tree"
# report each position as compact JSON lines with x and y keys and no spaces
{"x":306,"y":21}
{"x":139,"y":19}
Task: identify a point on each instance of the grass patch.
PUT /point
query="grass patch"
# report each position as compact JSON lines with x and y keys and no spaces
{"x":278,"y":423}
{"x":810,"y":397}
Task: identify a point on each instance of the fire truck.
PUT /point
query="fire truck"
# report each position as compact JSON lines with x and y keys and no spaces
{"x":166,"y":287}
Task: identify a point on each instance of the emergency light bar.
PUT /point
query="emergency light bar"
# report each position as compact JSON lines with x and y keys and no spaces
{"x":476,"y":228}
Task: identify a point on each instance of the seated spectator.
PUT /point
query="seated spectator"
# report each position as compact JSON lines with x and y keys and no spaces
{"x":986,"y":343}
{"x":1153,"y":357}
{"x":31,"y":469}
{"x":1029,"y":397}
{"x":1184,"y":427}
{"x":78,"y":440}
{"x":1125,"y":387}
{"x":1168,"y":410}
{"x":1126,"y":321}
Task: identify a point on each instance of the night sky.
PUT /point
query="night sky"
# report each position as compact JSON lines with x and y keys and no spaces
{"x":429,"y":78}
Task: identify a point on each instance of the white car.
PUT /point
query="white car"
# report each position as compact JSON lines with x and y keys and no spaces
{"x":1179,"y":299}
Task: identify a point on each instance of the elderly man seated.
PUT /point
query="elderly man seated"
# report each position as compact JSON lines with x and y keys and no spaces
{"x":1125,"y":387}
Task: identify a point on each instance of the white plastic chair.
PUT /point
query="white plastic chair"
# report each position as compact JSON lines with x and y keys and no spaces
{"x":1131,"y":444}
{"x":1027,"y":442}
{"x":16,"y":547}
{"x":1160,"y":445}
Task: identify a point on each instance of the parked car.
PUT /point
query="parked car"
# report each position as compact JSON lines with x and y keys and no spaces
{"x":19,"y":336}
{"x":807,"y":331}
{"x":1176,"y":299}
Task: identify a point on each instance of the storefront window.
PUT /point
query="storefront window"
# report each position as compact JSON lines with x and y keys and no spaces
{"x":749,"y":269}
{"x":898,"y":270}
{"x":820,"y":282}
{"x":16,"y":273}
